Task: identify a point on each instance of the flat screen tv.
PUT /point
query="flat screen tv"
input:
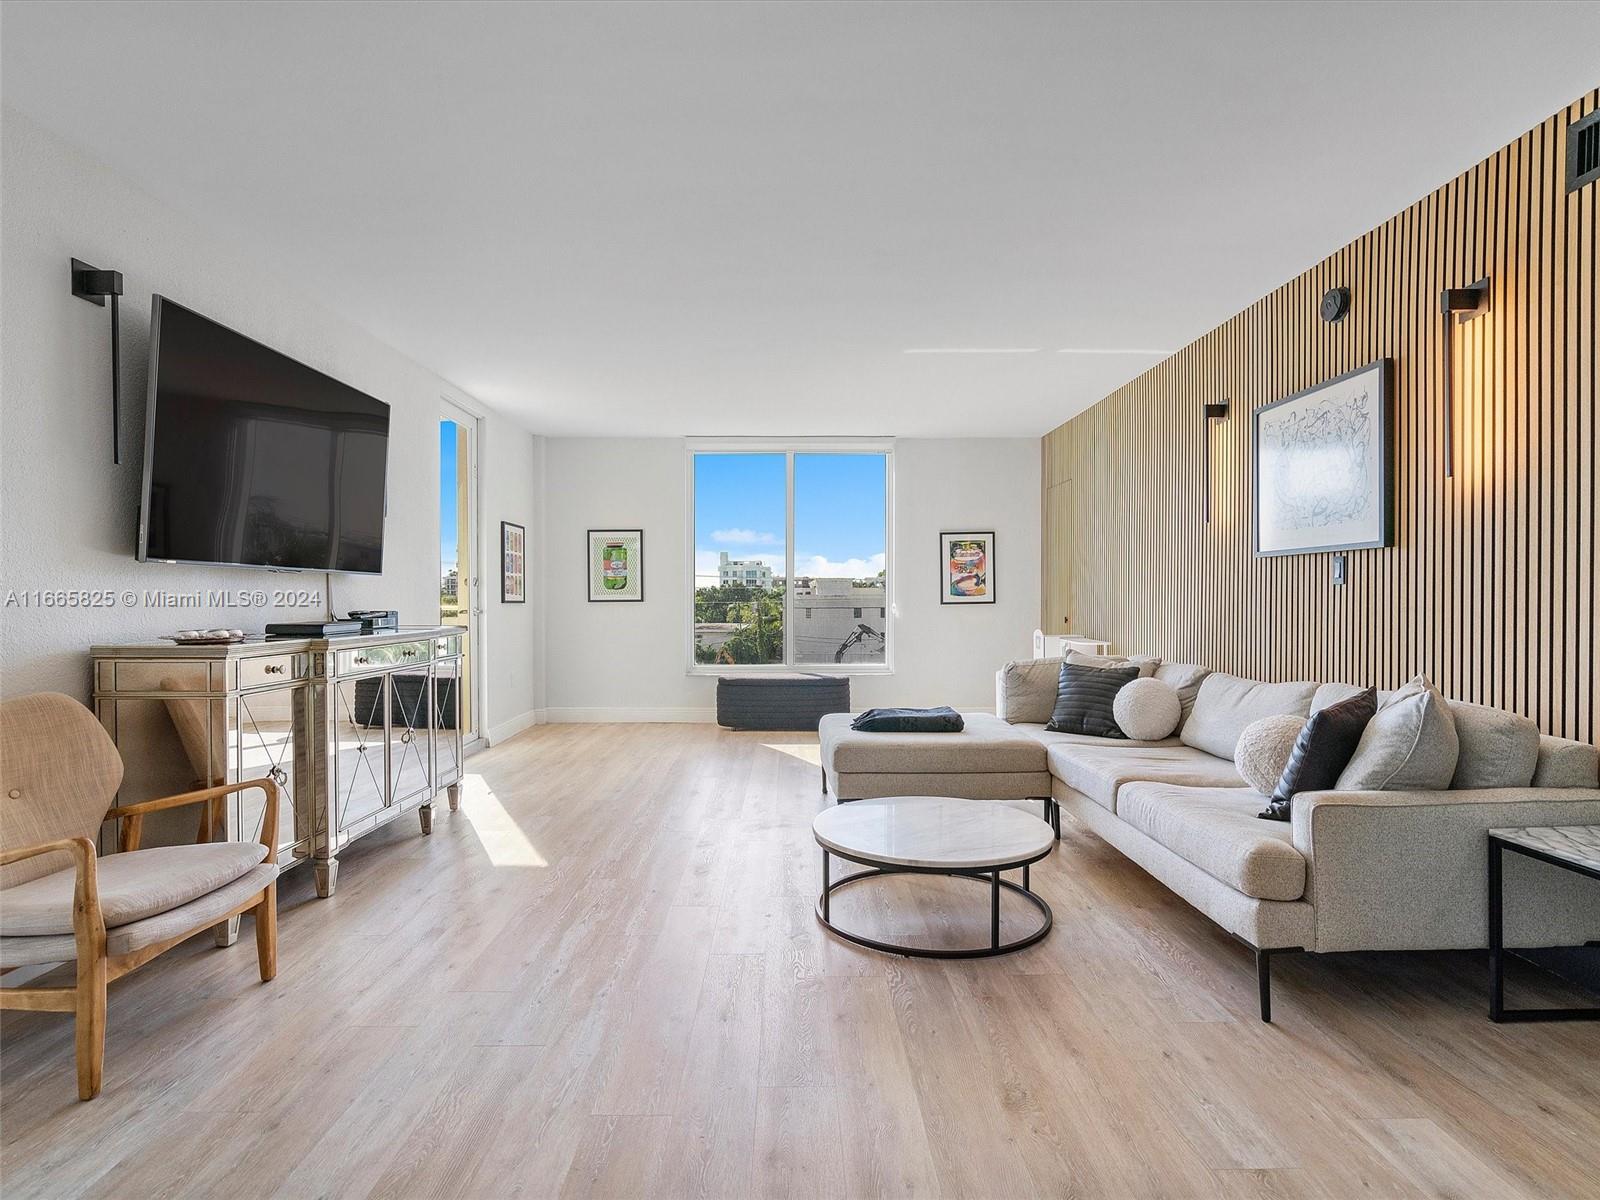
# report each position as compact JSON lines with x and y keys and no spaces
{"x":253,"y":459}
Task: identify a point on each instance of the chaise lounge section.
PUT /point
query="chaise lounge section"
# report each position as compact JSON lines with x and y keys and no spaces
{"x":1352,"y":870}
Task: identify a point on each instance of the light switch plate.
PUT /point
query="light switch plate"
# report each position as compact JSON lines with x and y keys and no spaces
{"x":1339,"y":561}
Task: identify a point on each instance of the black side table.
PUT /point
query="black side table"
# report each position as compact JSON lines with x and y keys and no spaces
{"x":1573,"y":847}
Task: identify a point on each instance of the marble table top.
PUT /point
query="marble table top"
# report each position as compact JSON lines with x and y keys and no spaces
{"x":933,"y":831}
{"x":1576,"y":844}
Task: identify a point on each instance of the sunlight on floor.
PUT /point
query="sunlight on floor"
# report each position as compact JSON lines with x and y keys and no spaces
{"x":501,"y":838}
{"x":809,"y":752}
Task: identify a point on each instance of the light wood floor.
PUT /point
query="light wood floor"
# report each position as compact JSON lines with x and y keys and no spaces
{"x":603,"y":977}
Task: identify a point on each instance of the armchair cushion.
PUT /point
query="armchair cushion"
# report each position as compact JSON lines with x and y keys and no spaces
{"x":125,"y":939}
{"x":132,"y":886}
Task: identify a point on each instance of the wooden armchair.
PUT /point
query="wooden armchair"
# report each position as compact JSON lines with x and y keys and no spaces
{"x":59,"y":773}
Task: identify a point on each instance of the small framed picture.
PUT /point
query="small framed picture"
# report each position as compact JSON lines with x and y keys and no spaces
{"x":513,"y":563}
{"x":966,"y":568}
{"x":616,"y":565}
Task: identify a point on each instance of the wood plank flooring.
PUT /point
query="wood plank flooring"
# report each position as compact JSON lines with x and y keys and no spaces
{"x":602,"y":977}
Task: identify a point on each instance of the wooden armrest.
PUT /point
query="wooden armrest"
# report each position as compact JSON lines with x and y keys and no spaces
{"x":134,"y":814}
{"x":79,"y":847}
{"x":88,"y":925}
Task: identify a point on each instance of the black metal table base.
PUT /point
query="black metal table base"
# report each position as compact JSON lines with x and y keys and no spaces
{"x":1498,"y":1012}
{"x":991,"y":876}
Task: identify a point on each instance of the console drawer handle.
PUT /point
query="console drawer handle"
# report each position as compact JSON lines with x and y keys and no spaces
{"x":361,"y":659}
{"x":273,"y":669}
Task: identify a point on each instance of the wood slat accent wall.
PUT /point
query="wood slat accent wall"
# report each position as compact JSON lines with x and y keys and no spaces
{"x":1490,"y":588}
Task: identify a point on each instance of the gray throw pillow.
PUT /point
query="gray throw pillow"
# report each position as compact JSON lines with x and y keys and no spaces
{"x":1085,"y":697}
{"x":1146,"y":664}
{"x":1030,"y":686}
{"x":1409,"y":745}
{"x":1185,"y":679}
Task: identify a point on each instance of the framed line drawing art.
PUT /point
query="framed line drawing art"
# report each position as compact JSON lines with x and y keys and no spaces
{"x":513,"y":563}
{"x":966,"y":567}
{"x":1323,"y":466}
{"x":616,"y":565}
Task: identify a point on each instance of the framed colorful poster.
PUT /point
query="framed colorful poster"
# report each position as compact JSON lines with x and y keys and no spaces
{"x":966,"y":568}
{"x":1323,"y":462}
{"x":513,"y":563}
{"x":616,"y":565}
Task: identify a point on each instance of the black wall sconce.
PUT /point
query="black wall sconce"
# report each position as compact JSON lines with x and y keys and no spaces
{"x":94,"y":286}
{"x":1214,"y":412}
{"x":1458,"y":305}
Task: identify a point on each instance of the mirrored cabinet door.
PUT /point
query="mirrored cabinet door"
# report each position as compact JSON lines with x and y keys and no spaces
{"x":358,"y":731}
{"x":268,"y":739}
{"x":409,"y":766}
{"x":447,"y":721}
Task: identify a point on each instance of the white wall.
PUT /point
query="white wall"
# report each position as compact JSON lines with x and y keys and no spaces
{"x":628,"y":661}
{"x":69,"y":517}
{"x":511,"y":468}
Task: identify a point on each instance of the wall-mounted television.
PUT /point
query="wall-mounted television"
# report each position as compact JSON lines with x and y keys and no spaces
{"x":253,"y":459}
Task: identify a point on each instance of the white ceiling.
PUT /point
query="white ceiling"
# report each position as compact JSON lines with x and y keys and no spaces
{"x":736,"y":218}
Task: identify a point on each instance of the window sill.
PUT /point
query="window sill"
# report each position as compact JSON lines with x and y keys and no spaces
{"x":713,"y":670}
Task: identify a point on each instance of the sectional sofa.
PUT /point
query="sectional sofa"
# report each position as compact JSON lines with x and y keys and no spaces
{"x":1367,"y":870}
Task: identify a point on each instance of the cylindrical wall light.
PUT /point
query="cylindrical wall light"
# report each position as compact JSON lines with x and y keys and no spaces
{"x":1461,"y":304}
{"x":1214,"y":412}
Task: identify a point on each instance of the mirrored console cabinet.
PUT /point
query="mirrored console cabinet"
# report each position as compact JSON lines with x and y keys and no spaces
{"x":354,"y":730}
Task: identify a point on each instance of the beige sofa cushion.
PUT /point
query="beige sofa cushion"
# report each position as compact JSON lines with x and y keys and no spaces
{"x":986,"y":744}
{"x":1498,"y":749}
{"x":132,"y":886}
{"x":1227,"y":703}
{"x":1052,"y":737}
{"x":1099,"y":771}
{"x":1216,"y":829}
{"x":980,"y":785}
{"x":1566,"y":764}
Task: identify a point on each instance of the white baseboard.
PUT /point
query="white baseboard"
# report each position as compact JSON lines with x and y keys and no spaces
{"x":510,"y":729}
{"x":630,"y":716}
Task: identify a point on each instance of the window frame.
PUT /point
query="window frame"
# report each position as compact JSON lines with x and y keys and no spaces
{"x":789,"y":447}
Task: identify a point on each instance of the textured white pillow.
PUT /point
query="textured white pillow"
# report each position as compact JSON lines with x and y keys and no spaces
{"x":1147,"y":710}
{"x":1264,"y":748}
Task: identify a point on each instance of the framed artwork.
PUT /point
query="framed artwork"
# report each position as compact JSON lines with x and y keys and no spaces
{"x":616,"y":565}
{"x":966,"y":568}
{"x":1323,"y":466}
{"x":513,"y":563}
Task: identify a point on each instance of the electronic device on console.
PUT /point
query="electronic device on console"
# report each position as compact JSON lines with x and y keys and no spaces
{"x":375,"y":620}
{"x":313,"y":629}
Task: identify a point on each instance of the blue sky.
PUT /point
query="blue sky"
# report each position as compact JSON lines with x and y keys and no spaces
{"x":447,"y":494}
{"x":839,"y":519}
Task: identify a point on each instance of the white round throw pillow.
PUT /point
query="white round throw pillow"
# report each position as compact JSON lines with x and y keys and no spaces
{"x":1147,"y":710}
{"x":1264,"y":748}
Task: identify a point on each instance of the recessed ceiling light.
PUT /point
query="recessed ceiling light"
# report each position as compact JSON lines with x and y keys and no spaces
{"x":1098,"y":350}
{"x":973,"y":350}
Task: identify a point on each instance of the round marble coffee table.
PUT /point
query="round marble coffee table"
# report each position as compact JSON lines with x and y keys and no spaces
{"x":935,"y":835}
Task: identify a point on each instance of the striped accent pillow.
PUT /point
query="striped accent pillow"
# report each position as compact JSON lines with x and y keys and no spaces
{"x":1084,"y":696}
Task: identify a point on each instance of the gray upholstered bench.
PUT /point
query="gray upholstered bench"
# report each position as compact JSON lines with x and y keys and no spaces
{"x":988,"y":760}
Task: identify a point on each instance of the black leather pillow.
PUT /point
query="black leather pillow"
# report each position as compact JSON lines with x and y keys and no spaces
{"x":1084,"y":696}
{"x":1322,"y":750}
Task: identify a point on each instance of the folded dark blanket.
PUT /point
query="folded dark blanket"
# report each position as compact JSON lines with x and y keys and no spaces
{"x":909,"y":720}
